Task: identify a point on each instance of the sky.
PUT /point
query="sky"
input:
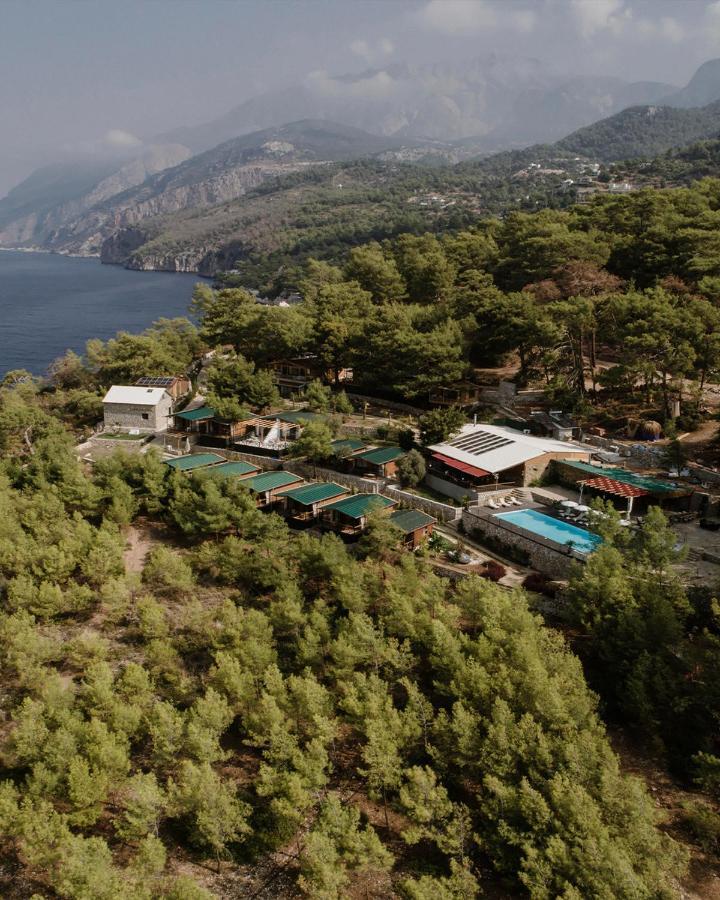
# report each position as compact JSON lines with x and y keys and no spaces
{"x":101,"y":75}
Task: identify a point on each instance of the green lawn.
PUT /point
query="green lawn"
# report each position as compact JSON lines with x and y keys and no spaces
{"x":122,"y":437}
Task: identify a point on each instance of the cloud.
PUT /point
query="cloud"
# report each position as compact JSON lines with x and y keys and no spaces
{"x":618,"y":18}
{"x":371,"y":53}
{"x":116,"y":137}
{"x":458,"y":17}
{"x":712,"y":20}
{"x":593,"y":16}
{"x":524,"y":20}
{"x":376,"y":86}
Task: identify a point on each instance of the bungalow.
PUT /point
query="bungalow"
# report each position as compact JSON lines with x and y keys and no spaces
{"x":382,"y":461}
{"x":144,"y":409}
{"x":344,"y":447}
{"x":176,"y":385}
{"x":416,"y":526}
{"x":302,"y":504}
{"x":348,"y":517}
{"x":194,"y":461}
{"x":267,"y":485}
{"x":234,"y":469}
{"x":195,"y":421}
{"x":463,"y":394}
{"x":292,"y":376}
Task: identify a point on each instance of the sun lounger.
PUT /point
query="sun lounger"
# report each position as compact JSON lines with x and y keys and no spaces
{"x":492,"y":504}
{"x":515,"y":501}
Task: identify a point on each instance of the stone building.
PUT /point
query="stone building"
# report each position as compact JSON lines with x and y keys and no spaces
{"x":145,"y":409}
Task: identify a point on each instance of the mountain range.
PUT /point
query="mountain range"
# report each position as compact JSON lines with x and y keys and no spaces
{"x":431,"y":113}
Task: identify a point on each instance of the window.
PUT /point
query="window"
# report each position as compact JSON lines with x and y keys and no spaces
{"x":146,"y":415}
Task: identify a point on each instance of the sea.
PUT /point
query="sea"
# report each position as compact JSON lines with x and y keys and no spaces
{"x":51,"y":303}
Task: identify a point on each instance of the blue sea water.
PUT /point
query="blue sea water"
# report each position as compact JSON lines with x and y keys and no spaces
{"x":50,"y":303}
{"x":553,"y":529}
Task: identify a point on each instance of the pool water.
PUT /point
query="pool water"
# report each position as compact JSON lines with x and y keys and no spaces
{"x":552,"y":529}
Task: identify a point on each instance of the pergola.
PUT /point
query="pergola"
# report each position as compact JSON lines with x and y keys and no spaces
{"x":616,"y":488}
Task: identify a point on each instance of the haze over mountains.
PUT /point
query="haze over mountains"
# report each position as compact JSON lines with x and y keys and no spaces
{"x":401,"y":112}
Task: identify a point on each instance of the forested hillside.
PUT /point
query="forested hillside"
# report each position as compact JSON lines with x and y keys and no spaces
{"x":643,"y":131}
{"x":253,"y":692}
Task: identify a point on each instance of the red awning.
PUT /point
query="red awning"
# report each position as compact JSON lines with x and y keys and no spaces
{"x":460,"y":466}
{"x":619,"y":488}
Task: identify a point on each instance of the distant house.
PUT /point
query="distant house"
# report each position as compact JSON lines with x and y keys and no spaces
{"x":303,"y":503}
{"x":416,"y":526}
{"x":348,"y":517}
{"x":462,"y":394}
{"x":145,"y":409}
{"x":554,"y":424}
{"x":292,"y":376}
{"x":176,"y":385}
{"x":382,"y":461}
{"x":267,"y":485}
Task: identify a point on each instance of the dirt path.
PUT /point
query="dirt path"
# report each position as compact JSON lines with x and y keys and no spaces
{"x":140,"y":541}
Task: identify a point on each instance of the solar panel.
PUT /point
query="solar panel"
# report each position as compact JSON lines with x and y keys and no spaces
{"x":151,"y":381}
{"x":480,"y":442}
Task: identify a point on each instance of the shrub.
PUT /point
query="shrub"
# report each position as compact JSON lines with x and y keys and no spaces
{"x":703,"y":823}
{"x":492,"y":570}
{"x":538,"y":583}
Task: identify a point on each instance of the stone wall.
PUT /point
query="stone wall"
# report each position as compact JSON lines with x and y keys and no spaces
{"x":442,"y":511}
{"x":544,"y":555}
{"x":315,"y":473}
{"x":265,"y":462}
{"x":127,"y":416}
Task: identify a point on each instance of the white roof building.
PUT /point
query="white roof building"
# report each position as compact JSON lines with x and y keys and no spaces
{"x":137,"y":408}
{"x":134,"y":395}
{"x":491,"y":449}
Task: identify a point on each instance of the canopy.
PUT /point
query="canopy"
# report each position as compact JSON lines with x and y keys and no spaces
{"x":618,"y":488}
{"x":460,"y":466}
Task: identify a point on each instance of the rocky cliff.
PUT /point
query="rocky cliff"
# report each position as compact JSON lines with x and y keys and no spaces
{"x":33,"y":217}
{"x":119,"y":204}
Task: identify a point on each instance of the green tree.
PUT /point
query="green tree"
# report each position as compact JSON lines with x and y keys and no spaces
{"x":440,"y":425}
{"x":411,"y":468}
{"x":315,"y":442}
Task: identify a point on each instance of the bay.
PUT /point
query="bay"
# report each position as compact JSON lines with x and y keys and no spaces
{"x":51,"y":303}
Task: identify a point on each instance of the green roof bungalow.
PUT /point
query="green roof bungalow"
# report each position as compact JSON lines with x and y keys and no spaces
{"x":302,"y":504}
{"x":234,"y":469}
{"x":194,"y":461}
{"x":195,"y":421}
{"x":348,"y":517}
{"x":382,"y":461}
{"x":267,"y":485}
{"x":415,"y":525}
{"x":344,"y":447}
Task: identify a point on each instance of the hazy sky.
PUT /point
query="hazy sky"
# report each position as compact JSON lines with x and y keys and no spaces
{"x":87,"y":73}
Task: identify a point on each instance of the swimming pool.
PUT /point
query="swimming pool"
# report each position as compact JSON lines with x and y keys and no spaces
{"x":552,"y":529}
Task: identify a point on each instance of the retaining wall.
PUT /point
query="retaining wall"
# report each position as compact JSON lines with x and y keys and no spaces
{"x":449,"y":488}
{"x":442,"y":511}
{"x":544,"y":555}
{"x":265,"y":462}
{"x":315,"y":473}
